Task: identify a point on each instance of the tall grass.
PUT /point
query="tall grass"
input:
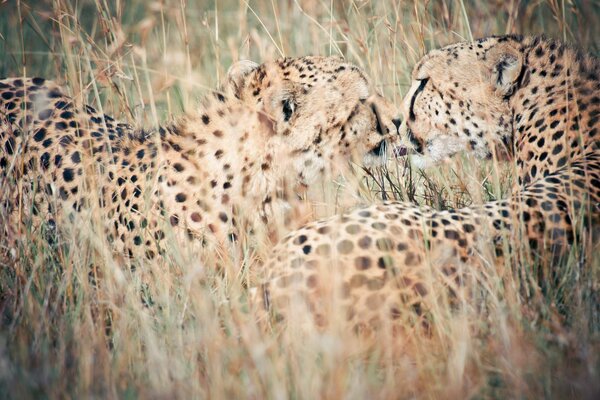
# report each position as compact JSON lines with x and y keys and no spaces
{"x":73,"y":324}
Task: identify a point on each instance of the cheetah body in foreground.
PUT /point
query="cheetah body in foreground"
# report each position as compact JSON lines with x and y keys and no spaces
{"x":534,"y":99}
{"x":225,"y":169}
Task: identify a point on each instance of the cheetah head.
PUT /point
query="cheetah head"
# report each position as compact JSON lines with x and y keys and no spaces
{"x":459,"y":100}
{"x":322,"y":109}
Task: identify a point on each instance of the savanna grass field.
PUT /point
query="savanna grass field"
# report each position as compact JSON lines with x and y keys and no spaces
{"x":75,"y":324}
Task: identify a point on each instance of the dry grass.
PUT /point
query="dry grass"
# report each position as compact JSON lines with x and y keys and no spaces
{"x":66,"y":333}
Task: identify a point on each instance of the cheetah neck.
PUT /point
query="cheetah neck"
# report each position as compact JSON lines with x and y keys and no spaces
{"x":556,"y":109}
{"x":218,"y":179}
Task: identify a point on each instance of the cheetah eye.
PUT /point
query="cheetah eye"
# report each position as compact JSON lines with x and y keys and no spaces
{"x":288,"y":108}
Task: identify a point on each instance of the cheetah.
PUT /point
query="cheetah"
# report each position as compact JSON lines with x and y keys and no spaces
{"x":221,"y":170}
{"x":529,"y":99}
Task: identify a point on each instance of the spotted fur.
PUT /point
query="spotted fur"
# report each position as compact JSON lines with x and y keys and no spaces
{"x":226,"y":168}
{"x":532,"y":99}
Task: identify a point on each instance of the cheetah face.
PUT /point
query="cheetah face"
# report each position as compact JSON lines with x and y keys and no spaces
{"x":323,"y":110}
{"x":459,"y":100}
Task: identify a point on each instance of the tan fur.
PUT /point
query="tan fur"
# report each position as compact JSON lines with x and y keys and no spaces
{"x":388,"y":265}
{"x":219,"y":173}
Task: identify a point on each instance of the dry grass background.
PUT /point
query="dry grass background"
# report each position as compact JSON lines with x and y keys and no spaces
{"x":65,"y":335}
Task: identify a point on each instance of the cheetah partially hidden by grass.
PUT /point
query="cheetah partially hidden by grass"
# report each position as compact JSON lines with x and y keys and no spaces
{"x":532,"y":99}
{"x":241,"y":157}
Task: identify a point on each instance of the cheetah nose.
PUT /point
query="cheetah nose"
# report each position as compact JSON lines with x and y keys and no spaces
{"x":400,"y":151}
{"x":396,"y":122}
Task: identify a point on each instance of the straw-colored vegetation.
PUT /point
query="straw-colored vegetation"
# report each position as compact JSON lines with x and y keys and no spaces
{"x":74,"y":325}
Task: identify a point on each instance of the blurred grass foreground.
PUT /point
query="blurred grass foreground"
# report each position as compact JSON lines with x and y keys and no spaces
{"x":64,"y":335}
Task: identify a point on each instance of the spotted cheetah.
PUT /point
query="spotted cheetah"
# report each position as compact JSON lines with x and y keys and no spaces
{"x":530,"y":99}
{"x":244,"y":153}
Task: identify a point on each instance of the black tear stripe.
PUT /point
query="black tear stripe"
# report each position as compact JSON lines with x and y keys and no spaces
{"x":379,"y":127}
{"x":411,"y":112}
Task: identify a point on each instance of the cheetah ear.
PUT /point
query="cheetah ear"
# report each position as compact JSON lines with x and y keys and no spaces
{"x":506,"y":71}
{"x":236,"y":74}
